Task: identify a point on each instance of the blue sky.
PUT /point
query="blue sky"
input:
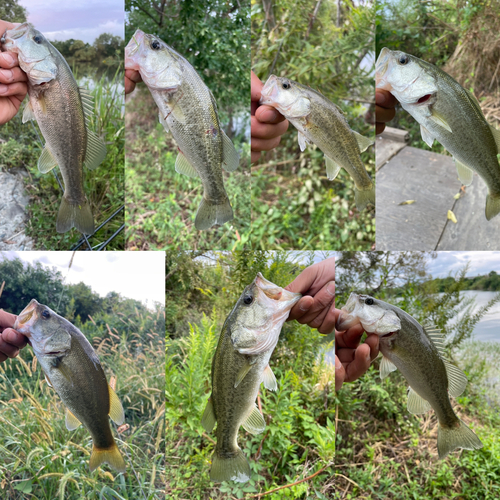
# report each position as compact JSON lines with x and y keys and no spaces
{"x":79,"y":19}
{"x":135,"y":275}
{"x":479,"y":263}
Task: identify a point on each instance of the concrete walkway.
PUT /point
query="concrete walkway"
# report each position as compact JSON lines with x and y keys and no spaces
{"x":13,"y":212}
{"x":431,"y":181}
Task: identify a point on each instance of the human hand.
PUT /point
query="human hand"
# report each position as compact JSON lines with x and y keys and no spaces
{"x":267,"y":124}
{"x":385,"y":104}
{"x":13,"y":88}
{"x":131,"y":78}
{"x":10,"y":340}
{"x":353,"y":359}
{"x":317,"y":284}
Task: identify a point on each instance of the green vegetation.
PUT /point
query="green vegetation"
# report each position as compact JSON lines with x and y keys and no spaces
{"x":456,"y":36}
{"x":489,"y":282}
{"x":382,"y":450}
{"x":299,"y":437}
{"x":161,"y":204}
{"x":294,"y":205}
{"x":11,"y":11}
{"x":39,"y":457}
{"x":104,"y":186}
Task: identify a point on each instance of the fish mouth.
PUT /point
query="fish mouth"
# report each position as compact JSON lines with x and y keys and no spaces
{"x":275,"y":292}
{"x":26,"y":318}
{"x":133,"y":46}
{"x":15,"y":34}
{"x":387,"y":335}
{"x":381,"y":67}
{"x":268,"y":90}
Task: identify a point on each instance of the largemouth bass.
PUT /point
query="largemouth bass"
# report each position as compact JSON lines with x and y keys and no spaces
{"x":321,"y":122}
{"x":72,"y":368}
{"x":448,"y":113}
{"x":240,"y":364}
{"x":187,"y":108}
{"x":418,"y":352}
{"x":62,"y":110}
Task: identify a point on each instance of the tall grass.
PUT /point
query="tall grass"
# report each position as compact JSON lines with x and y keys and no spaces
{"x":103,"y":186}
{"x":41,"y":459}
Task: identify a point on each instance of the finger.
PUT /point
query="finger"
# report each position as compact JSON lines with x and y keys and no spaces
{"x":12,"y":75}
{"x":360,"y":364}
{"x":267,"y":131}
{"x":255,"y":87}
{"x":14,"y":89}
{"x":15,"y":338}
{"x":133,"y":75}
{"x":7,"y":320}
{"x":323,"y":300}
{"x":4,"y":26}
{"x":301,"y":308}
{"x":255,"y":156}
{"x":372,"y":341}
{"x":379,"y":128}
{"x":129,"y":86}
{"x":313,"y":278}
{"x":328,"y":324}
{"x":339,"y":374}
{"x":8,"y":60}
{"x":384,"y":115}
{"x":351,"y":337}
{"x":267,"y":114}
{"x":385,"y":99}
{"x":263,"y":145}
{"x":8,"y":349}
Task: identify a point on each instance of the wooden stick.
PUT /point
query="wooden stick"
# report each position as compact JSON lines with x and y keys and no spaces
{"x":292,"y":484}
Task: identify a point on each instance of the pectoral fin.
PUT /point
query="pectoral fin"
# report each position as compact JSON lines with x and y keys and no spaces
{"x":115,"y":408}
{"x":182,"y":166}
{"x":28,"y":113}
{"x":465,"y":174}
{"x":208,"y":419}
{"x":269,"y":379}
{"x":386,"y":367}
{"x":230,"y":157}
{"x":426,"y":136}
{"x":72,"y":422}
{"x":302,"y":141}
{"x":255,"y":422}
{"x":416,"y":404}
{"x":57,"y":363}
{"x":332,"y":168}
{"x":439,"y":120}
{"x":242,"y":374}
{"x":363,"y":142}
{"x":46,"y":162}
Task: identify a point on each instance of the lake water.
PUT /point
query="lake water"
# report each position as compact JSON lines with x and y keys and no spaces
{"x":488,"y":329}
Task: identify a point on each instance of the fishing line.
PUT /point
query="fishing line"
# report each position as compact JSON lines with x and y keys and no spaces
{"x":67,"y":272}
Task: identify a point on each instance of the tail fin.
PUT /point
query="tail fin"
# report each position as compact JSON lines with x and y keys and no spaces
{"x":230,"y":468}
{"x":210,"y":213}
{"x":79,"y":216}
{"x":492,"y":206}
{"x":458,"y":436}
{"x":111,"y":456}
{"x":363,"y":197}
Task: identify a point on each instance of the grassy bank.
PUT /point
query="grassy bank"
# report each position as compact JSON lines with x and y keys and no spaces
{"x":103,"y":186}
{"x":41,"y":459}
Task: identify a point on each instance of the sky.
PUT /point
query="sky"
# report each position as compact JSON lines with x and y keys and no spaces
{"x":480,"y":263}
{"x":79,"y":19}
{"x":135,"y":275}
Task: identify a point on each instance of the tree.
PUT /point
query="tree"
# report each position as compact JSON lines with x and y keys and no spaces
{"x":11,"y":11}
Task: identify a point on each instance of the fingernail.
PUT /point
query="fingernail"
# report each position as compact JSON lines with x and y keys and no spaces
{"x":268,"y":115}
{"x":8,"y":58}
{"x":338,"y":364}
{"x":3,"y":88}
{"x":305,"y":307}
{"x":9,"y":74}
{"x":330,"y":288}
{"x":380,"y":98}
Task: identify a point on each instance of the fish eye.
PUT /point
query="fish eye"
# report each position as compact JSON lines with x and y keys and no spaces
{"x":155,"y":44}
{"x":248,"y":299}
{"x":286,"y":85}
{"x":37,"y":39}
{"x":369,"y":302}
{"x":46,"y":314}
{"x":403,"y":59}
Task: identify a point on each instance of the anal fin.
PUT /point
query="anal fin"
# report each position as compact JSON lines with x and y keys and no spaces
{"x":254,"y":423}
{"x":72,"y":422}
{"x":115,"y":407}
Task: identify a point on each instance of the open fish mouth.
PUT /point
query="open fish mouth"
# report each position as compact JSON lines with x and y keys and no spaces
{"x":275,"y":292}
{"x":26,"y":318}
{"x":15,"y":33}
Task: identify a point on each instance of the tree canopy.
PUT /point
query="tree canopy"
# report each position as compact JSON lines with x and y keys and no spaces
{"x":11,"y":11}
